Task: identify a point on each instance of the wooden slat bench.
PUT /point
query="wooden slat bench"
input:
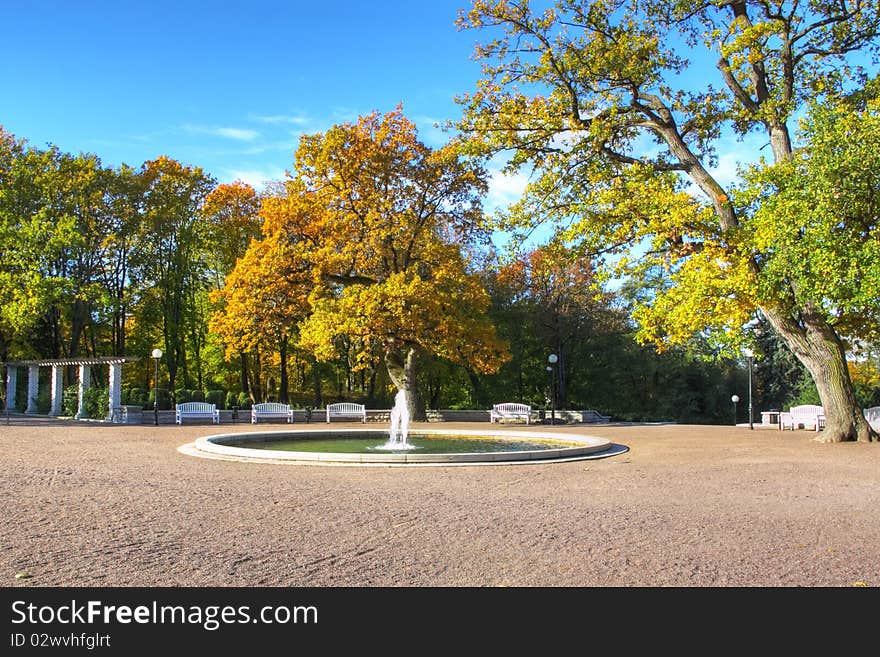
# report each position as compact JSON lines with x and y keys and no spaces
{"x":511,"y":411}
{"x":271,"y":411}
{"x":347,"y":410}
{"x":197,"y":411}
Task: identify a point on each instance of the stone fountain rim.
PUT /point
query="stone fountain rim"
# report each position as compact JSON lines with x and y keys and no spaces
{"x":227,"y":446}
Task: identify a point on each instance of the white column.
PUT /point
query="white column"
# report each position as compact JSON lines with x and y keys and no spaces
{"x":33,"y":389}
{"x":11,"y":381}
{"x":85,"y":376}
{"x":114,"y":391}
{"x":57,"y":389}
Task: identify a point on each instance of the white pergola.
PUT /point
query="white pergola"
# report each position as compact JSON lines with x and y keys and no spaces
{"x":85,"y":377}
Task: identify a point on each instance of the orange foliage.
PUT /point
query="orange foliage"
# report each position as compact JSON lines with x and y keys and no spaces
{"x":366,"y":243}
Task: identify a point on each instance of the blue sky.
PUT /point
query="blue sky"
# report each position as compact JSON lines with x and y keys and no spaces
{"x":228,"y":86}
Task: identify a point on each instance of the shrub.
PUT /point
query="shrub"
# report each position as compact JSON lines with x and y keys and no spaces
{"x":181,"y":396}
{"x":70,"y":400}
{"x":197,"y":395}
{"x":231,"y":399}
{"x":164,"y":399}
{"x":216,"y":397}
{"x":44,"y":402}
{"x":95,"y":403}
{"x":138,"y":397}
{"x":244,"y":401}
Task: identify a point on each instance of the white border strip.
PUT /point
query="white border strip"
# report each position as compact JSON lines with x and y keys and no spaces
{"x":228,"y":446}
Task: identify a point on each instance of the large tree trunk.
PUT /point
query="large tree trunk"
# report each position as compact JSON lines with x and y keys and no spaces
{"x":480,"y":397}
{"x":316,"y":383}
{"x":245,"y":387}
{"x":402,"y":371}
{"x":816,"y":344}
{"x":282,"y":352}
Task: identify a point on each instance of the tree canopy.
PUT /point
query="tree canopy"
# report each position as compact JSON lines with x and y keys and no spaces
{"x":600,"y":102}
{"x":373,"y":222}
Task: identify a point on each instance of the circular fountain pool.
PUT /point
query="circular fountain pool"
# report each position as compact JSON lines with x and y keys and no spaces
{"x":434,"y":447}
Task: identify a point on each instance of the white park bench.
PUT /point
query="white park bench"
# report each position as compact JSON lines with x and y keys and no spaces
{"x":872,"y":415}
{"x":197,"y":411}
{"x":271,"y":411}
{"x":347,"y":410}
{"x":809,"y":415}
{"x":511,"y":411}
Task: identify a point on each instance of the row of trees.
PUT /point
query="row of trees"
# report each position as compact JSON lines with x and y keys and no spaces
{"x":287,"y":297}
{"x":100,"y":260}
{"x":371,"y":263}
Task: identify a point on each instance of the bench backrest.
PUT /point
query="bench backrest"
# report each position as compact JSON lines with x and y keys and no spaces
{"x":346,"y":407}
{"x":271,"y":407}
{"x":509,"y":407}
{"x":872,"y":415}
{"x":807,"y":410}
{"x":197,"y":407}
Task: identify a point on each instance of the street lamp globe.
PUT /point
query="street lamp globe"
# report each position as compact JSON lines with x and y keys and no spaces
{"x":553,"y":358}
{"x":157,"y":353}
{"x":735,"y":399}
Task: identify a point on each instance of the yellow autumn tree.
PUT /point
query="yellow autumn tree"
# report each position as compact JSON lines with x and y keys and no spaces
{"x":261,"y":302}
{"x":382,"y":221}
{"x":232,"y":213}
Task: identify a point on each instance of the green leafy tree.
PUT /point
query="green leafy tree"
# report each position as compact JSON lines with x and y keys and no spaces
{"x":170,"y":260}
{"x":620,"y":131}
{"x":54,"y":219}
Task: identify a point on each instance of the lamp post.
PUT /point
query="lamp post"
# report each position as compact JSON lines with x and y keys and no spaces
{"x":157,"y":354}
{"x":552,"y":359}
{"x":735,"y":400}
{"x":749,"y":354}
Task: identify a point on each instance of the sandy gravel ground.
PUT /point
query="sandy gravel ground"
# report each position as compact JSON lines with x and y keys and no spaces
{"x":95,"y":505}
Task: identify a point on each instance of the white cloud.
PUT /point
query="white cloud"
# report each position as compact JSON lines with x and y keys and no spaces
{"x":256,"y":178}
{"x":504,"y":189}
{"x":238,"y":134}
{"x":276,"y":119}
{"x":241,"y":134}
{"x":734,"y":154}
{"x":431,"y":130}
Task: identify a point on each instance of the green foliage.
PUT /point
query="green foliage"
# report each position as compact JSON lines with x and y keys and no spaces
{"x":197,"y":395}
{"x":70,"y":400}
{"x":138,"y":397}
{"x":813,"y":225}
{"x":806,"y":395}
{"x":181,"y":396}
{"x":164,"y":399}
{"x":44,"y":401}
{"x":781,"y":379}
{"x":231,"y":399}
{"x":244,"y":401}
{"x":217,"y":397}
{"x":95,"y":403}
